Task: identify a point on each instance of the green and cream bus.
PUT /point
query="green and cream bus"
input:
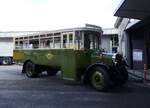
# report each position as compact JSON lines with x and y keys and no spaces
{"x":76,"y":52}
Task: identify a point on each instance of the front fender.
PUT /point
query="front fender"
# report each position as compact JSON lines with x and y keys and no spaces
{"x":97,"y":64}
{"x":87,"y":72}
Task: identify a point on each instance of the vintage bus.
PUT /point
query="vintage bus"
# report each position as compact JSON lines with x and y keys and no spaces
{"x":76,"y":52}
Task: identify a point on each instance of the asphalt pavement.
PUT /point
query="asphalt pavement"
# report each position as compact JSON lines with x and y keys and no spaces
{"x":18,"y":91}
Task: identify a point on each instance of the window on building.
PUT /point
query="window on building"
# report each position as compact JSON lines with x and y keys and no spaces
{"x":115,"y":43}
{"x":114,"y":40}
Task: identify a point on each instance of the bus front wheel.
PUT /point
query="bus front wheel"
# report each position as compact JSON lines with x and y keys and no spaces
{"x":99,"y":79}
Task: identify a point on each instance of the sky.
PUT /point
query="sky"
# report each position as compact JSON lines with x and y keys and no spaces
{"x":35,"y":15}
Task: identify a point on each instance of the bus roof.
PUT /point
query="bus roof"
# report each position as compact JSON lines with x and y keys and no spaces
{"x":88,"y":27}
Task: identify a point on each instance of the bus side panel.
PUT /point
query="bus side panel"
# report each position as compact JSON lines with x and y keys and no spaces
{"x":47,"y":57}
{"x":83,"y":60}
{"x":18,"y":56}
{"x":41,"y":57}
{"x":65,"y":58}
{"x":68,"y":65}
{"x":74,"y":64}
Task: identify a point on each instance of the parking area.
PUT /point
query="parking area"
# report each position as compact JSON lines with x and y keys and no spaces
{"x":18,"y":91}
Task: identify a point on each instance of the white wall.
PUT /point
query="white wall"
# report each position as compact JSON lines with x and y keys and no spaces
{"x":6,"y":46}
{"x":106,"y":43}
{"x":106,"y":38}
{"x":121,"y":35}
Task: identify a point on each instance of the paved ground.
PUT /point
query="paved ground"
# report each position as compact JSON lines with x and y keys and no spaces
{"x":18,"y":91}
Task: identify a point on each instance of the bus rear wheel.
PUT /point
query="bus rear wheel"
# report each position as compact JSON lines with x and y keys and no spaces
{"x":30,"y":70}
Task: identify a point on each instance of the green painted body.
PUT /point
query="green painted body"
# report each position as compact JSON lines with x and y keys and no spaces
{"x":71,"y":62}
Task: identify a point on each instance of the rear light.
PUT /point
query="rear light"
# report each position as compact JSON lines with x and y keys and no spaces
{"x":101,"y":58}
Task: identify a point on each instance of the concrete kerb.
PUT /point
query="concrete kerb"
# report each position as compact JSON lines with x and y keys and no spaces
{"x":138,"y":76}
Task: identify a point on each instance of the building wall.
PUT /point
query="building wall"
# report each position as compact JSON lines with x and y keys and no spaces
{"x":125,"y":40}
{"x":131,"y":41}
{"x":6,"y":46}
{"x":106,"y":43}
{"x":138,"y":44}
{"x":122,"y":35}
{"x":108,"y":33}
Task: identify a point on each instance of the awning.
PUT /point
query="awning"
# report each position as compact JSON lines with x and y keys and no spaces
{"x":136,"y":9}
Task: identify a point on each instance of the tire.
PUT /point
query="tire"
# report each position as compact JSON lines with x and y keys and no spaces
{"x":6,"y":61}
{"x":30,"y":70}
{"x":99,"y":79}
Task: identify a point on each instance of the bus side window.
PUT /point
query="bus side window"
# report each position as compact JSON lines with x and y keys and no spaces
{"x":70,"y":40}
{"x":48,"y":43}
{"x":87,"y":42}
{"x":65,"y":41}
{"x":34,"y":44}
{"x":57,"y":42}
